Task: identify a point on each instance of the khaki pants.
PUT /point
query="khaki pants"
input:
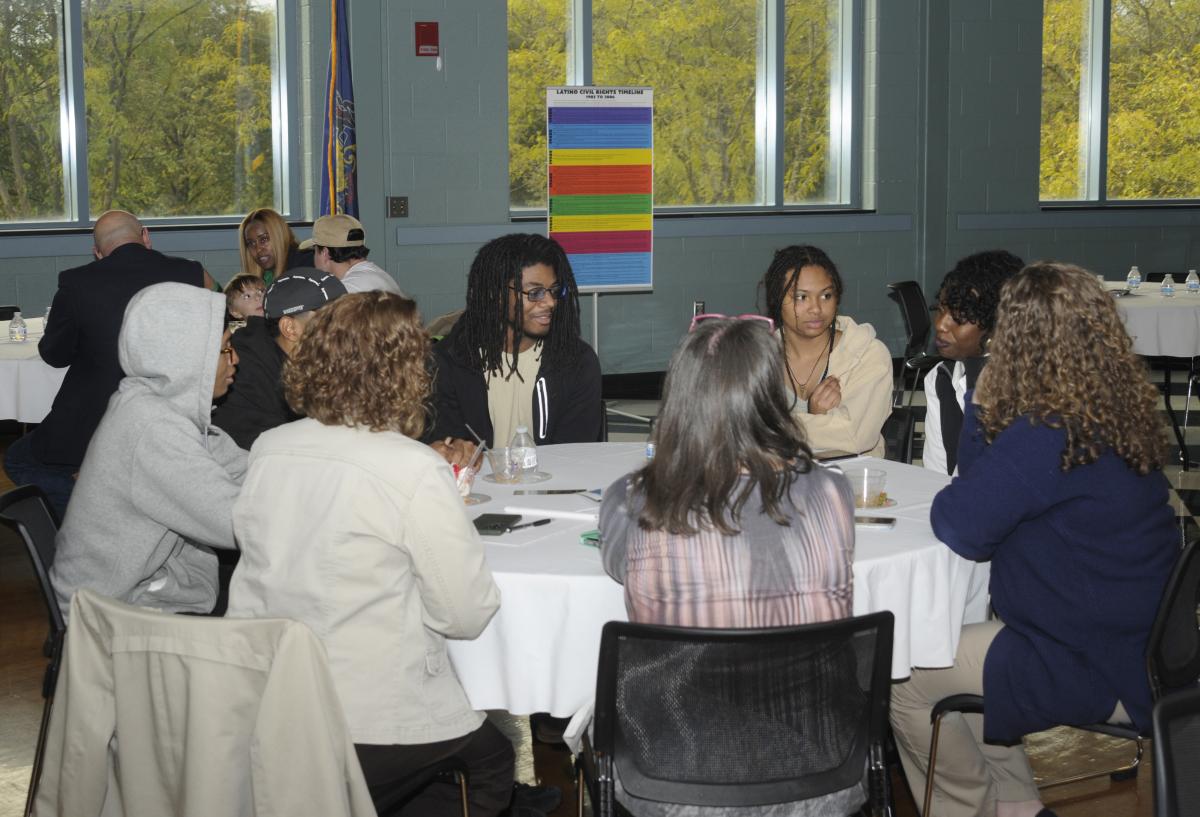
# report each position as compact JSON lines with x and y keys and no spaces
{"x":970,"y":775}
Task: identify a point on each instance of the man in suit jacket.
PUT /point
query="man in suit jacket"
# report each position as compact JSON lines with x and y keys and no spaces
{"x":86,"y":317}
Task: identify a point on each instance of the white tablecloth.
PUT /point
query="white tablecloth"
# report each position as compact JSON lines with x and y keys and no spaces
{"x":1160,"y":326}
{"x":27,"y":384}
{"x":539,"y":653}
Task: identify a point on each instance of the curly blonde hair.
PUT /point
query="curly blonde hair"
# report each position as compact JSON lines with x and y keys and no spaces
{"x":1060,"y":355}
{"x":362,"y":362}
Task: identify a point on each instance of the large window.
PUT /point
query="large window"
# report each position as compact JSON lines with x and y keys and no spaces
{"x":752,"y":97}
{"x":1120,"y":100}
{"x":166,"y":108}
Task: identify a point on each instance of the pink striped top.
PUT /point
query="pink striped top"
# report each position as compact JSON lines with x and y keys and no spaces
{"x":767,"y":575}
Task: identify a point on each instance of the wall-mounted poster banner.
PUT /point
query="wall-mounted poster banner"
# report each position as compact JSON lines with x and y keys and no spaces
{"x":601,"y":177}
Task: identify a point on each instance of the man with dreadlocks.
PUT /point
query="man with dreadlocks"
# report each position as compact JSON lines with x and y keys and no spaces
{"x":515,"y":357}
{"x":966,"y":314}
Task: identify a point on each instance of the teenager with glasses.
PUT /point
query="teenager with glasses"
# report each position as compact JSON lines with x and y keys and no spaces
{"x":839,"y":373}
{"x":756,"y":535}
{"x":515,"y":356}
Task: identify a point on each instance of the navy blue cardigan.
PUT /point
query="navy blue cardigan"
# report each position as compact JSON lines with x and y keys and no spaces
{"x":1079,"y":561}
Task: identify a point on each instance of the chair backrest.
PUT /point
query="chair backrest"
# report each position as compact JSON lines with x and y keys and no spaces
{"x":1176,"y":747}
{"x":742,"y":717}
{"x":7,"y":311}
{"x":27,"y":511}
{"x":1173,"y":649}
{"x":898,"y":431}
{"x":914,"y":310}
{"x":215,"y":715}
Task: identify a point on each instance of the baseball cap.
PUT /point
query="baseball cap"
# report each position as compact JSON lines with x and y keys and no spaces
{"x":338,"y":230}
{"x":302,"y":290}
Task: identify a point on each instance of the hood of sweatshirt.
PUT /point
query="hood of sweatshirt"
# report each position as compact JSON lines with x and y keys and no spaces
{"x":169,"y":345}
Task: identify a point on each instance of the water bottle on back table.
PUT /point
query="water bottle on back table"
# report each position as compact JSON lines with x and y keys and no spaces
{"x":1193,"y":283}
{"x":17,"y":331}
{"x":1134,"y":279}
{"x":1168,"y":286}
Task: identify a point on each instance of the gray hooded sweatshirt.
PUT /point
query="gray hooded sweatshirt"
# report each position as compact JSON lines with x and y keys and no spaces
{"x":155,"y":492}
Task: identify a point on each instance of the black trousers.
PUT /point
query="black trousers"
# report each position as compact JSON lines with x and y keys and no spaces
{"x":398,"y":787}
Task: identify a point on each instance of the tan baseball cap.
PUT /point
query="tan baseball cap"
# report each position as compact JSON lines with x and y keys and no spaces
{"x":338,"y":230}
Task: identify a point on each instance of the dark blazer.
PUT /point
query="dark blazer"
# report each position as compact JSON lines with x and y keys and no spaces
{"x":1079,"y":562}
{"x":566,"y":401}
{"x":85,"y":320}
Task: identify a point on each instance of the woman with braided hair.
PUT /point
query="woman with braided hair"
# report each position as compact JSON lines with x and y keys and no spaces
{"x":840,"y":374}
{"x":515,"y":357}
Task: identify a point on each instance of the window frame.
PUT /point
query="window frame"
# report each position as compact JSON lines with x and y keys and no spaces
{"x":1099,"y":44}
{"x":846,"y":109}
{"x":288,"y":180}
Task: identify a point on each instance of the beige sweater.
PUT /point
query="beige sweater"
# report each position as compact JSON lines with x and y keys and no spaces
{"x":863,"y":366}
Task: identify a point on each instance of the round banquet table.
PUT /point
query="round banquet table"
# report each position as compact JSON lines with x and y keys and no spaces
{"x":539,"y":652}
{"x":1158,"y":326}
{"x":27,"y":384}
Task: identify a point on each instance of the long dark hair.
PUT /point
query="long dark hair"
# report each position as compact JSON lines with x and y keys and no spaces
{"x":480,"y":332}
{"x":724,"y":428}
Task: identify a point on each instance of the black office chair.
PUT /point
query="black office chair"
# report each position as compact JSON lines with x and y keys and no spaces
{"x":914,"y":310}
{"x":898,"y":432}
{"x":7,"y":311}
{"x":1172,"y":663}
{"x":1176,"y":747}
{"x":27,"y":511}
{"x":740,"y":717}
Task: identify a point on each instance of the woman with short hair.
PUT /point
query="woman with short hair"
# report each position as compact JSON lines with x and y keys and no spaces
{"x":350,"y":525}
{"x":732,"y":524}
{"x":1060,"y":487}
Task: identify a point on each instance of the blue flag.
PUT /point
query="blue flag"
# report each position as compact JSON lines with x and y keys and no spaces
{"x":339,"y":176}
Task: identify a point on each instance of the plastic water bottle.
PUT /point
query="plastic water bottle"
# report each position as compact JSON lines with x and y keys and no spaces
{"x":522,"y":452}
{"x":17,"y":331}
{"x":651,"y":445}
{"x":1134,"y":279}
{"x":1168,"y":286}
{"x":1193,"y":282}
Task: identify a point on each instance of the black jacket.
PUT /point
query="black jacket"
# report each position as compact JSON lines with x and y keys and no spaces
{"x":85,"y":320}
{"x":566,"y":400}
{"x":255,"y":401}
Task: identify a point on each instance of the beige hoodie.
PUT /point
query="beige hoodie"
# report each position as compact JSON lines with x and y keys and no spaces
{"x":863,"y":366}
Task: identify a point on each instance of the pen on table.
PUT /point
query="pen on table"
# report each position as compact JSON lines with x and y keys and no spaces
{"x":533,"y":524}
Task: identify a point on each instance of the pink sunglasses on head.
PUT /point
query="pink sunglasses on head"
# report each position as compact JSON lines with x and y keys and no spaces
{"x":717,"y":316}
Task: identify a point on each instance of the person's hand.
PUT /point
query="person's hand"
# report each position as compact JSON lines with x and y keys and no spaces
{"x":826,"y":396}
{"x":455,"y":451}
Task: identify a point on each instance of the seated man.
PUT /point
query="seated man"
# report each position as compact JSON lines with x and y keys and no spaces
{"x":339,"y":248}
{"x":515,"y":357}
{"x":256,"y":403}
{"x":966,"y":314}
{"x":156,"y":490}
{"x":87,"y":310}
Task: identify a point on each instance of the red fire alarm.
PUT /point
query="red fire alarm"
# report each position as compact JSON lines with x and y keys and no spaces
{"x":426,"y":35}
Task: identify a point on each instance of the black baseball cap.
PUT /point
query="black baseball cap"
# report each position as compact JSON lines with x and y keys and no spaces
{"x":302,"y":290}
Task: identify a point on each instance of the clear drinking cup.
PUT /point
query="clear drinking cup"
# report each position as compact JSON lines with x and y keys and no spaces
{"x":867,"y":484}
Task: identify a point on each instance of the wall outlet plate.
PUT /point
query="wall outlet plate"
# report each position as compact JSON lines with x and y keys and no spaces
{"x":397,"y":206}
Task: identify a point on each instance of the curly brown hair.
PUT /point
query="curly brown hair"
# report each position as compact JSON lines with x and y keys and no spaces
{"x":1060,"y":356}
{"x":362,"y":362}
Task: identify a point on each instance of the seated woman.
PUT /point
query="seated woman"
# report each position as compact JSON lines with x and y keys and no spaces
{"x":966,"y":314}
{"x":758,"y":536}
{"x":268,"y":247}
{"x":348,"y":524}
{"x":840,"y":375}
{"x":1060,"y":486}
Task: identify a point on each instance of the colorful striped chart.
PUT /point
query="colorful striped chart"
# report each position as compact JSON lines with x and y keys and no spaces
{"x":601,"y":178}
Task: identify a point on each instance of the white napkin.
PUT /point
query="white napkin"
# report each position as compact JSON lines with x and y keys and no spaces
{"x":553,"y":513}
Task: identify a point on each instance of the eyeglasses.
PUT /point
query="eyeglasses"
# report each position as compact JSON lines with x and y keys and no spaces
{"x":557,"y":291}
{"x":228,"y":350}
{"x":718,"y":316}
